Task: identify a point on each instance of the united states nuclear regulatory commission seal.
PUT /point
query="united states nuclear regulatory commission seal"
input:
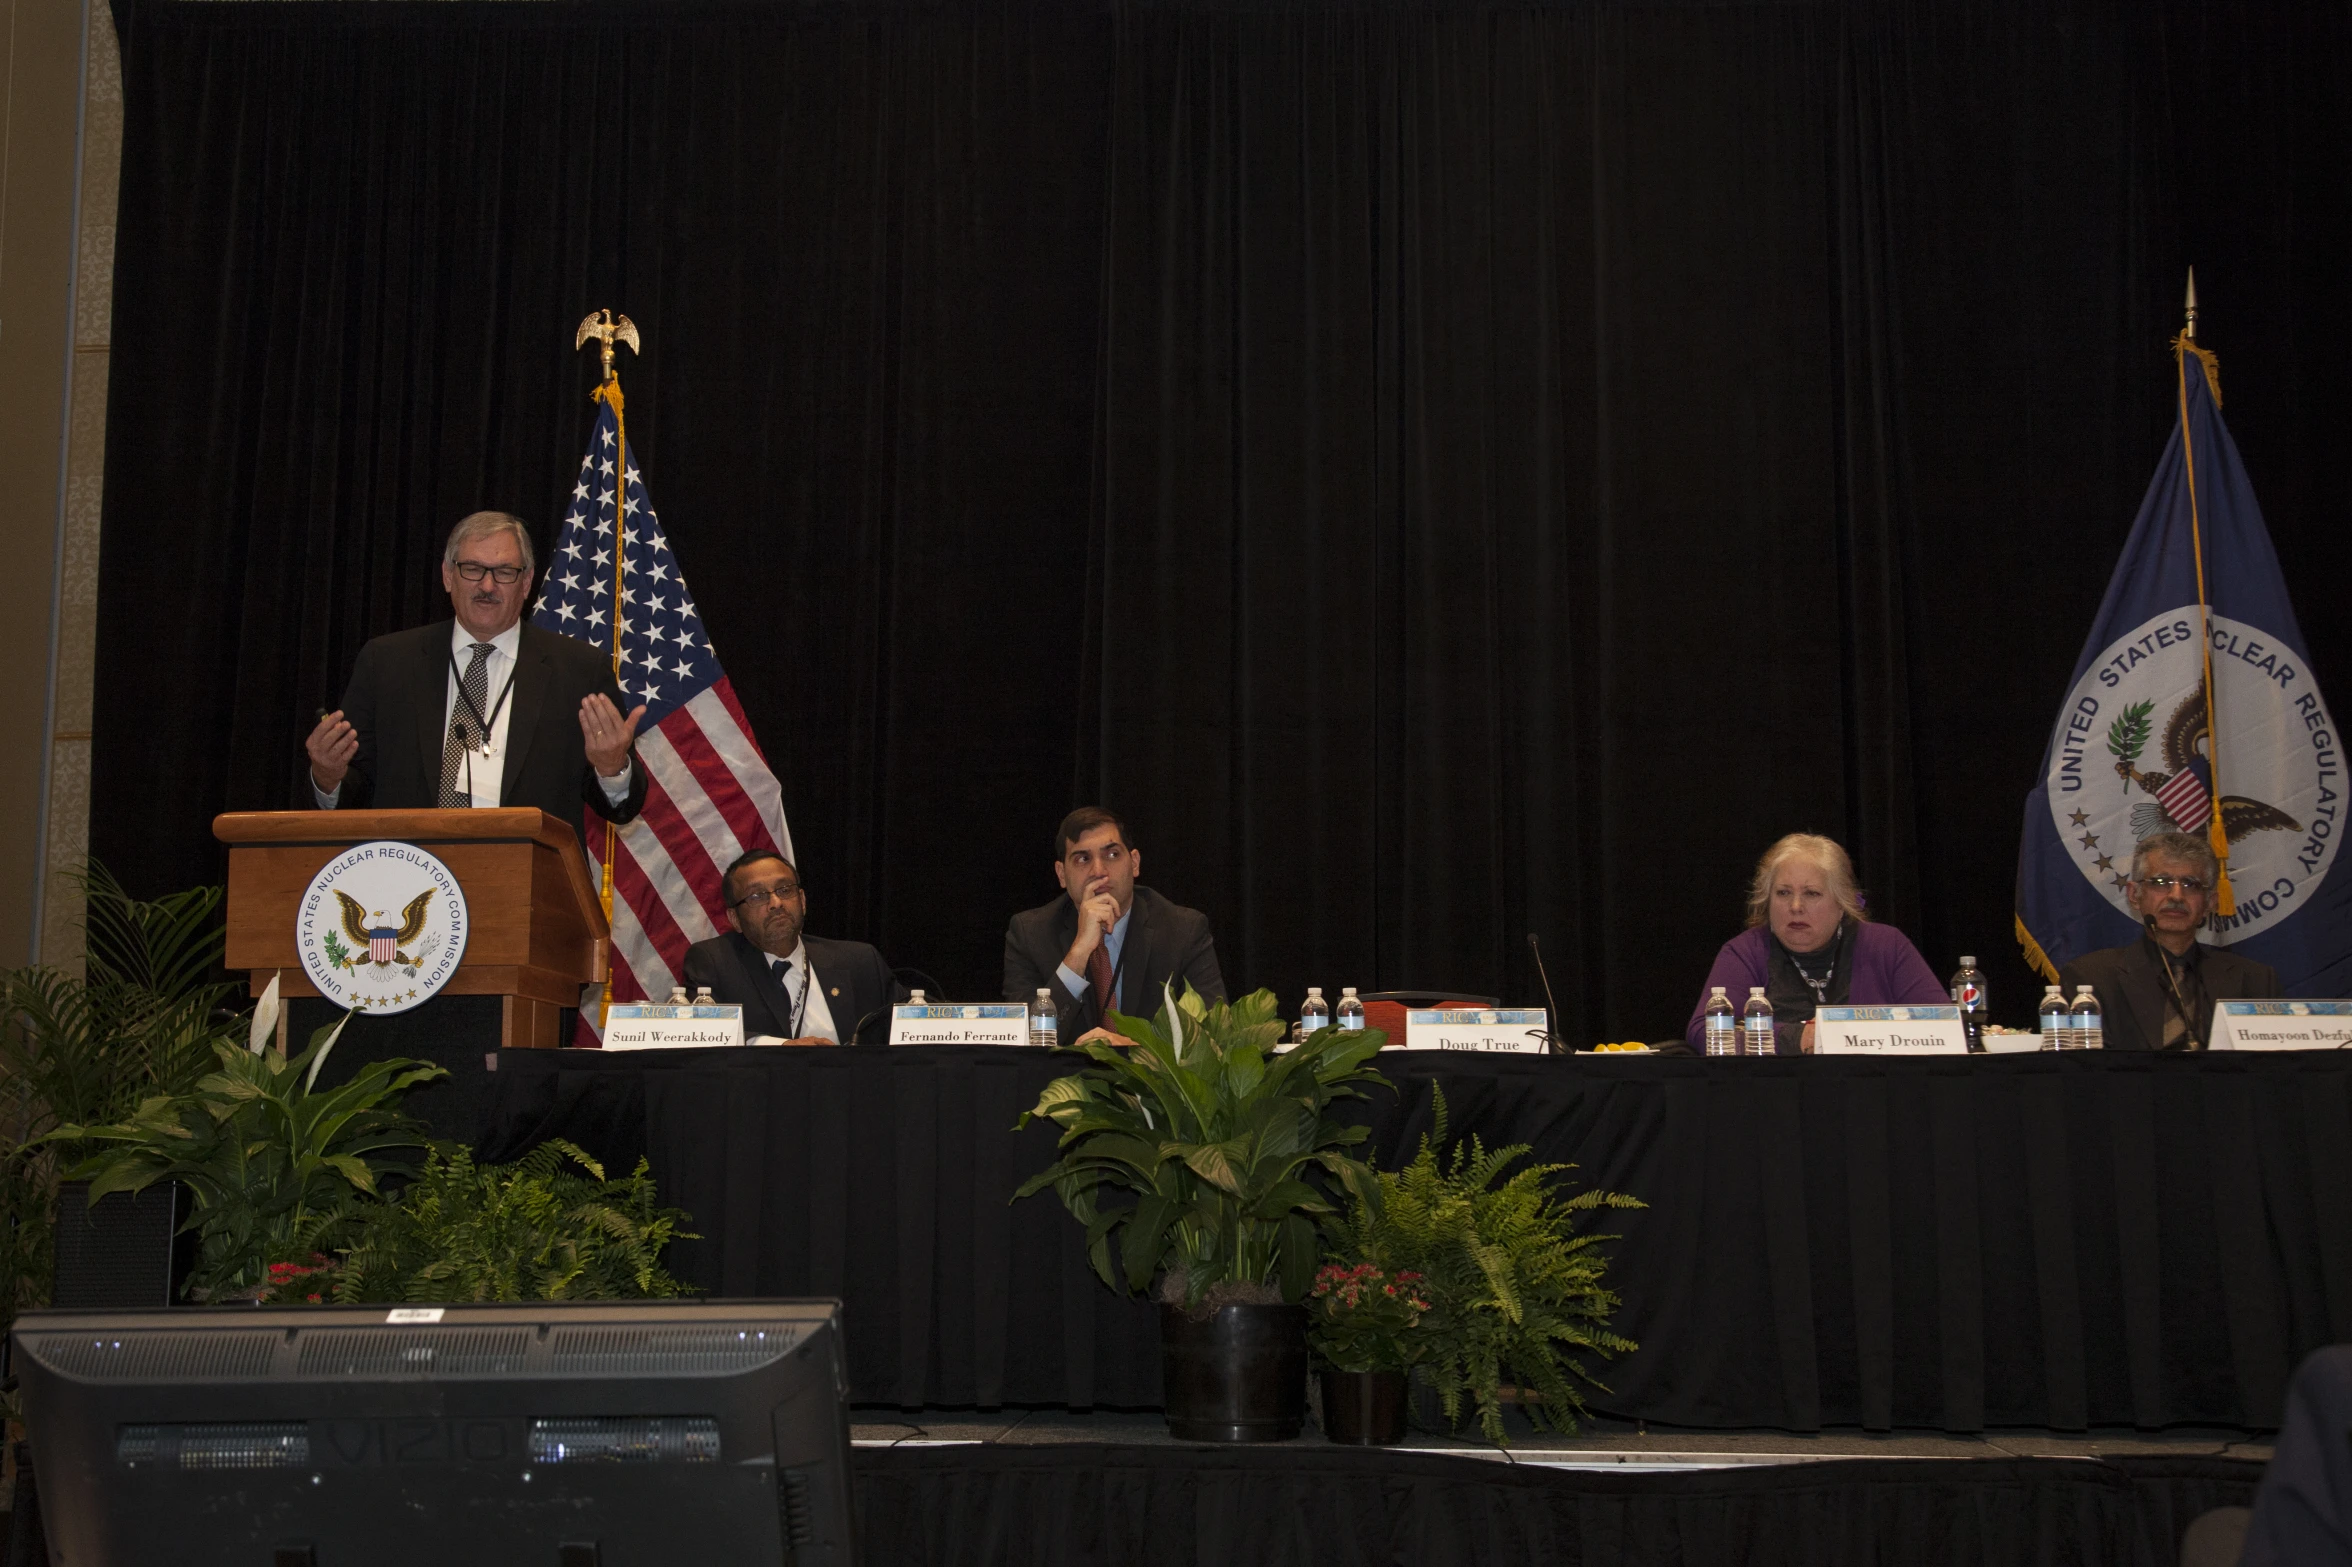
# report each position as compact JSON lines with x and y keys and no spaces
{"x":381,"y":927}
{"x":2135,"y":756}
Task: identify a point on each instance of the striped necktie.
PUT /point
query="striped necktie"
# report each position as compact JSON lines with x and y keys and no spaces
{"x":465,"y":731}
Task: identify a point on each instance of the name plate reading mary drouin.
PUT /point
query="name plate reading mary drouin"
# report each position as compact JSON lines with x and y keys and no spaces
{"x":2282,"y":1025}
{"x":661,"y":1025}
{"x":1889,"y":1031}
{"x":964,"y":1023}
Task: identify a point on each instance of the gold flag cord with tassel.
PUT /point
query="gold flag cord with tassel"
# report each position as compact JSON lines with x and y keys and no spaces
{"x":2224,"y":902}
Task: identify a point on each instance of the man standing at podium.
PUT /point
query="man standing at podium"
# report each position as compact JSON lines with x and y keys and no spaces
{"x":481,"y":710}
{"x":1106,"y":942}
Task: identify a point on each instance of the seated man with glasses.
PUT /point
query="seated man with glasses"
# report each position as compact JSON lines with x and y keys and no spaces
{"x":794,"y":988}
{"x":2157,"y":993}
{"x":481,"y":710}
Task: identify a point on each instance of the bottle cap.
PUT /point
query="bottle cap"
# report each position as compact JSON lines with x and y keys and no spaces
{"x":702,"y":993}
{"x":2081,"y":991}
{"x":1754,"y":991}
{"x":1967,"y":962}
{"x":1719,"y":992}
{"x":1346,"y":990}
{"x":1044,"y":994}
{"x":1315,"y":992}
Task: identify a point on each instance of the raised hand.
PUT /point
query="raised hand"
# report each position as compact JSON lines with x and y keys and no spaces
{"x":331,"y":747}
{"x":607,"y":734}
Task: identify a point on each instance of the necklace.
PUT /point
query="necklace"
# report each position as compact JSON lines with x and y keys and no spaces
{"x":1819,"y":986}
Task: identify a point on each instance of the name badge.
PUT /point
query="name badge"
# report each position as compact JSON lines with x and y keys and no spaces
{"x":1509,"y":1030}
{"x":970,"y":1023}
{"x":2282,"y":1025}
{"x":657,"y":1025}
{"x":1889,"y":1031}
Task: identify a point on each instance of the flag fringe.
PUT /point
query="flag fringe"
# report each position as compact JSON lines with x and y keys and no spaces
{"x":2034,"y":955}
{"x":2207,"y":358}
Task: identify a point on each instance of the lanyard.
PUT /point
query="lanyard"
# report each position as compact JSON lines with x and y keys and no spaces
{"x":497,"y":707}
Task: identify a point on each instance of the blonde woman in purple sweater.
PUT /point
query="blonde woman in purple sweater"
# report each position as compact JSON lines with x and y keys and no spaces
{"x":1810,"y":944}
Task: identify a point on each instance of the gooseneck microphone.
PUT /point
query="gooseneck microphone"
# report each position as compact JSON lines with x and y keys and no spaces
{"x":1552,"y":1037}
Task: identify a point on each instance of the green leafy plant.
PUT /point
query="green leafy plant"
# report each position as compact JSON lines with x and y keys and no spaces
{"x":140,"y":1020}
{"x":1364,"y":1318}
{"x":1514,"y":1282}
{"x":1184,"y":1155}
{"x":548,"y":1227}
{"x":267,"y":1156}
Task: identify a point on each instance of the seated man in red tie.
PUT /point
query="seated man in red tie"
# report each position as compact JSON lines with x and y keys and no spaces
{"x":1106,"y":943}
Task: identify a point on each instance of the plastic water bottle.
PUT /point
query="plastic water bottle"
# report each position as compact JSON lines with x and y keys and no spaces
{"x":1044,"y":1019}
{"x":1315,"y":1014}
{"x":1756,"y":1038}
{"x":2057,"y":1021}
{"x":677,"y":995}
{"x":1968,"y":994}
{"x":702,"y":996}
{"x":1351,"y":1011}
{"x":2089,"y":1030}
{"x":915,"y":999}
{"x":1722,"y":1025}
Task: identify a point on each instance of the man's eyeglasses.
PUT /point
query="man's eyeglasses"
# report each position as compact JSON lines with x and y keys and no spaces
{"x":2184,"y":883}
{"x":475,"y":571}
{"x":761,"y":897}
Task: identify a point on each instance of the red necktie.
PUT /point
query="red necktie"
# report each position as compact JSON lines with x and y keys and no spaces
{"x":1098,"y":979}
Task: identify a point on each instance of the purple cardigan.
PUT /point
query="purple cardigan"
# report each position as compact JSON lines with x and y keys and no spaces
{"x":1888,"y":971}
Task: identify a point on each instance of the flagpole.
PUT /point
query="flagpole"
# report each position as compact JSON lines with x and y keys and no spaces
{"x":2225,"y":902}
{"x":607,"y":327}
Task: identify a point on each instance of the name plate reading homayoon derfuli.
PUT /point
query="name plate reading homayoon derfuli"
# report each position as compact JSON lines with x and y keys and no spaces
{"x":967,"y":1023}
{"x":1889,"y":1031}
{"x":661,"y":1025}
{"x":2282,"y":1025}
{"x":1511,"y":1030}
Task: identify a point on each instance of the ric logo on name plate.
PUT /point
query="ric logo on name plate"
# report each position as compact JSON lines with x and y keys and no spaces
{"x":381,"y":927}
{"x":2134,"y":757}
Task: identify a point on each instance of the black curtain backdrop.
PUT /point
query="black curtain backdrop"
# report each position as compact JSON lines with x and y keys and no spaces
{"x":1445,"y":470}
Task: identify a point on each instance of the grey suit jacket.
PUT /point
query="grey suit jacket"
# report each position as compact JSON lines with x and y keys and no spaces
{"x":2129,"y":983}
{"x":855,"y":979}
{"x":1166,"y":943}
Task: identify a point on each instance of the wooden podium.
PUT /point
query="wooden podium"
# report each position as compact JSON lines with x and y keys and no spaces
{"x":538,"y":933}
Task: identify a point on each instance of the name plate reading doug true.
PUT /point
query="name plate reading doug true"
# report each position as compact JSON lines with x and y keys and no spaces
{"x":1889,"y":1031}
{"x":969,"y":1023}
{"x":660,"y":1025}
{"x":1506,"y":1029}
{"x":2282,"y":1025}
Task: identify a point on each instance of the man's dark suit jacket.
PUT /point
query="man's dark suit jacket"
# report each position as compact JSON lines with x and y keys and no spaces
{"x":1166,"y":942}
{"x":2129,"y":982}
{"x":855,"y":979}
{"x":398,"y":699}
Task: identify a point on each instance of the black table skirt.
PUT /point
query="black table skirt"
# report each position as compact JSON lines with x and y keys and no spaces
{"x":2039,"y":1240}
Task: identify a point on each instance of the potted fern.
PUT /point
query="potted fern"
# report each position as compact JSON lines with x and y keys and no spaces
{"x":1185,"y":1156}
{"x":1510,"y":1273}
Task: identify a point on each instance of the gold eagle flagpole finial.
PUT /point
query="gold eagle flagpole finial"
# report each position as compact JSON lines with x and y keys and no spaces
{"x":607,"y":327}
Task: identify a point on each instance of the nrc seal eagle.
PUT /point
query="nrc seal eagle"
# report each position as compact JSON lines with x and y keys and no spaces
{"x":2182,"y":795}
{"x":383,"y":941}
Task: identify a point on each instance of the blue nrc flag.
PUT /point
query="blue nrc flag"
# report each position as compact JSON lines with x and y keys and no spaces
{"x":2132,"y":752}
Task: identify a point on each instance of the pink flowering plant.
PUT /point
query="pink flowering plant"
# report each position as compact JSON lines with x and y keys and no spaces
{"x":1362,"y":1317}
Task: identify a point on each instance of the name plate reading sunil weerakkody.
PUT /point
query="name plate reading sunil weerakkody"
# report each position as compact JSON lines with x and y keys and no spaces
{"x":2282,"y":1025}
{"x":662,"y":1025}
{"x":966,"y":1023}
{"x":1510,"y":1029}
{"x":1889,"y":1031}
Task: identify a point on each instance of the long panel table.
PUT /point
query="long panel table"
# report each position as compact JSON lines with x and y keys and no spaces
{"x":2058,"y":1241}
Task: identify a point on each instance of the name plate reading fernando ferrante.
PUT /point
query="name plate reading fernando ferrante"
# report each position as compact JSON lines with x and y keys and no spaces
{"x":1889,"y":1031}
{"x":1512,"y":1030}
{"x":966,"y":1023}
{"x":2282,"y":1025}
{"x":661,"y":1025}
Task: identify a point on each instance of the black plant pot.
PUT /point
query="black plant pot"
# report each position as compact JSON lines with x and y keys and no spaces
{"x":1364,"y":1408}
{"x":1238,"y":1374}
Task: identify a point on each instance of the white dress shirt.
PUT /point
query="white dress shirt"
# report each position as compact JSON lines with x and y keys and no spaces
{"x":482,"y":774}
{"x":816,"y":1021}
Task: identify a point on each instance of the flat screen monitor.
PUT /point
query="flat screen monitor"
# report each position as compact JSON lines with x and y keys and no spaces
{"x":620,"y":1434}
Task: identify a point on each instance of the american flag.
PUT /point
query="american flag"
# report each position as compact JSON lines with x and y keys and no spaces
{"x":709,"y":793}
{"x":2185,"y":799}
